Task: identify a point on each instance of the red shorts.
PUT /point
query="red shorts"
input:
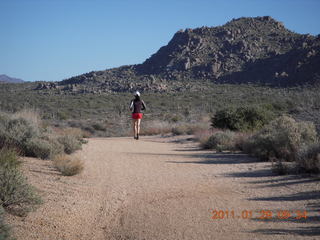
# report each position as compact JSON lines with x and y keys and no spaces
{"x":137,"y":115}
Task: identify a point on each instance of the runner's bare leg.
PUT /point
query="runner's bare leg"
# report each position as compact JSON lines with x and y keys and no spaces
{"x":138,"y":126}
{"x":134,"y":127}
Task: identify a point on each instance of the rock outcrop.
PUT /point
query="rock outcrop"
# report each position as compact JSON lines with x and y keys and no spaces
{"x":245,"y":50}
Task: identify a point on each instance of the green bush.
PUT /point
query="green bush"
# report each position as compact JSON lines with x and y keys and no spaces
{"x":281,"y":139}
{"x":308,"y":159}
{"x":70,"y":143}
{"x":220,"y":141}
{"x":4,"y":229}
{"x":15,"y":192}
{"x":241,"y":118}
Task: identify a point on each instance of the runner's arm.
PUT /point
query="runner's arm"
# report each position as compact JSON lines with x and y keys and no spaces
{"x":131,"y":105}
{"x":143,"y":106}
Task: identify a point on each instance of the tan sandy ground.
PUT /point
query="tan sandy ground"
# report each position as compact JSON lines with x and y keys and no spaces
{"x":157,"y":189}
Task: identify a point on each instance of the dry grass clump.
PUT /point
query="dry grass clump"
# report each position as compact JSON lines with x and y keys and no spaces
{"x":68,"y":165}
{"x":31,"y":115}
{"x":156,"y":127}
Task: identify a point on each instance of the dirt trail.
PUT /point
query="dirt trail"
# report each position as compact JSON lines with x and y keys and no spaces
{"x":156,"y":189}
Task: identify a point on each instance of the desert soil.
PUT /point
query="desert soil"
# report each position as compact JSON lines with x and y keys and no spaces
{"x":166,"y":188}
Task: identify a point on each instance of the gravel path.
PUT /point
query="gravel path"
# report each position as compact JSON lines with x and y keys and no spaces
{"x":156,"y":188}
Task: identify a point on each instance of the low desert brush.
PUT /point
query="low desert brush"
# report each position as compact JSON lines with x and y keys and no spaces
{"x":221,"y":141}
{"x":281,"y":139}
{"x":308,"y":159}
{"x":15,"y":193}
{"x":4,"y":229}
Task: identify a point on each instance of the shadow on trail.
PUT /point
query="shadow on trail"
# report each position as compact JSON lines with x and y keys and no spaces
{"x":301,"y":196}
{"x":260,"y":175}
{"x":205,"y":158}
{"x":302,"y":231}
{"x":218,"y":158}
{"x":265,"y":172}
{"x":286,"y":181}
{"x":264,"y":177}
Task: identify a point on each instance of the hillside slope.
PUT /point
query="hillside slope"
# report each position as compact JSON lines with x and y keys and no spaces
{"x":7,"y":79}
{"x":245,"y":50}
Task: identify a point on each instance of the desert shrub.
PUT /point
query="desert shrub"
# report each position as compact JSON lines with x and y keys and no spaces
{"x":202,"y":136}
{"x":240,"y":140}
{"x":308,"y":159}
{"x":281,"y":139}
{"x":221,"y":141}
{"x":68,"y":165}
{"x":280,"y":167}
{"x":98,"y":126}
{"x":4,"y":229}
{"x":70,"y":143}
{"x":39,"y":148}
{"x":241,"y":118}
{"x":15,"y":192}
{"x":175,"y":118}
{"x":62,"y":115}
{"x":45,"y":148}
{"x":16,"y":132}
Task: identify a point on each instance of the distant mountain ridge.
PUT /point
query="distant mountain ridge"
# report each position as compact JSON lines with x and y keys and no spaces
{"x":256,"y":50}
{"x":7,"y":79}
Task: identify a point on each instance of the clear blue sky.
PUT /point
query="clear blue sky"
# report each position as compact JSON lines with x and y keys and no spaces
{"x":55,"y":39}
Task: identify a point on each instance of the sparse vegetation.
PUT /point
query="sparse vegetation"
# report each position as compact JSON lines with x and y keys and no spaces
{"x":97,"y":115}
{"x":292,"y":146}
{"x":68,"y":165}
{"x":86,"y":110}
{"x":16,"y":195}
{"x":25,"y":132}
{"x":156,"y":127}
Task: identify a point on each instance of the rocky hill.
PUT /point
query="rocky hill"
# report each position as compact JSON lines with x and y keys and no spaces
{"x":245,"y":50}
{"x":6,"y":79}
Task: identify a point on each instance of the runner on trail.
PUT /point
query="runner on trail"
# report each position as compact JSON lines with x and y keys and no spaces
{"x":137,"y":105}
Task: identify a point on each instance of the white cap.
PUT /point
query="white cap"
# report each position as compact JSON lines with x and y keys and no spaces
{"x":137,"y":93}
